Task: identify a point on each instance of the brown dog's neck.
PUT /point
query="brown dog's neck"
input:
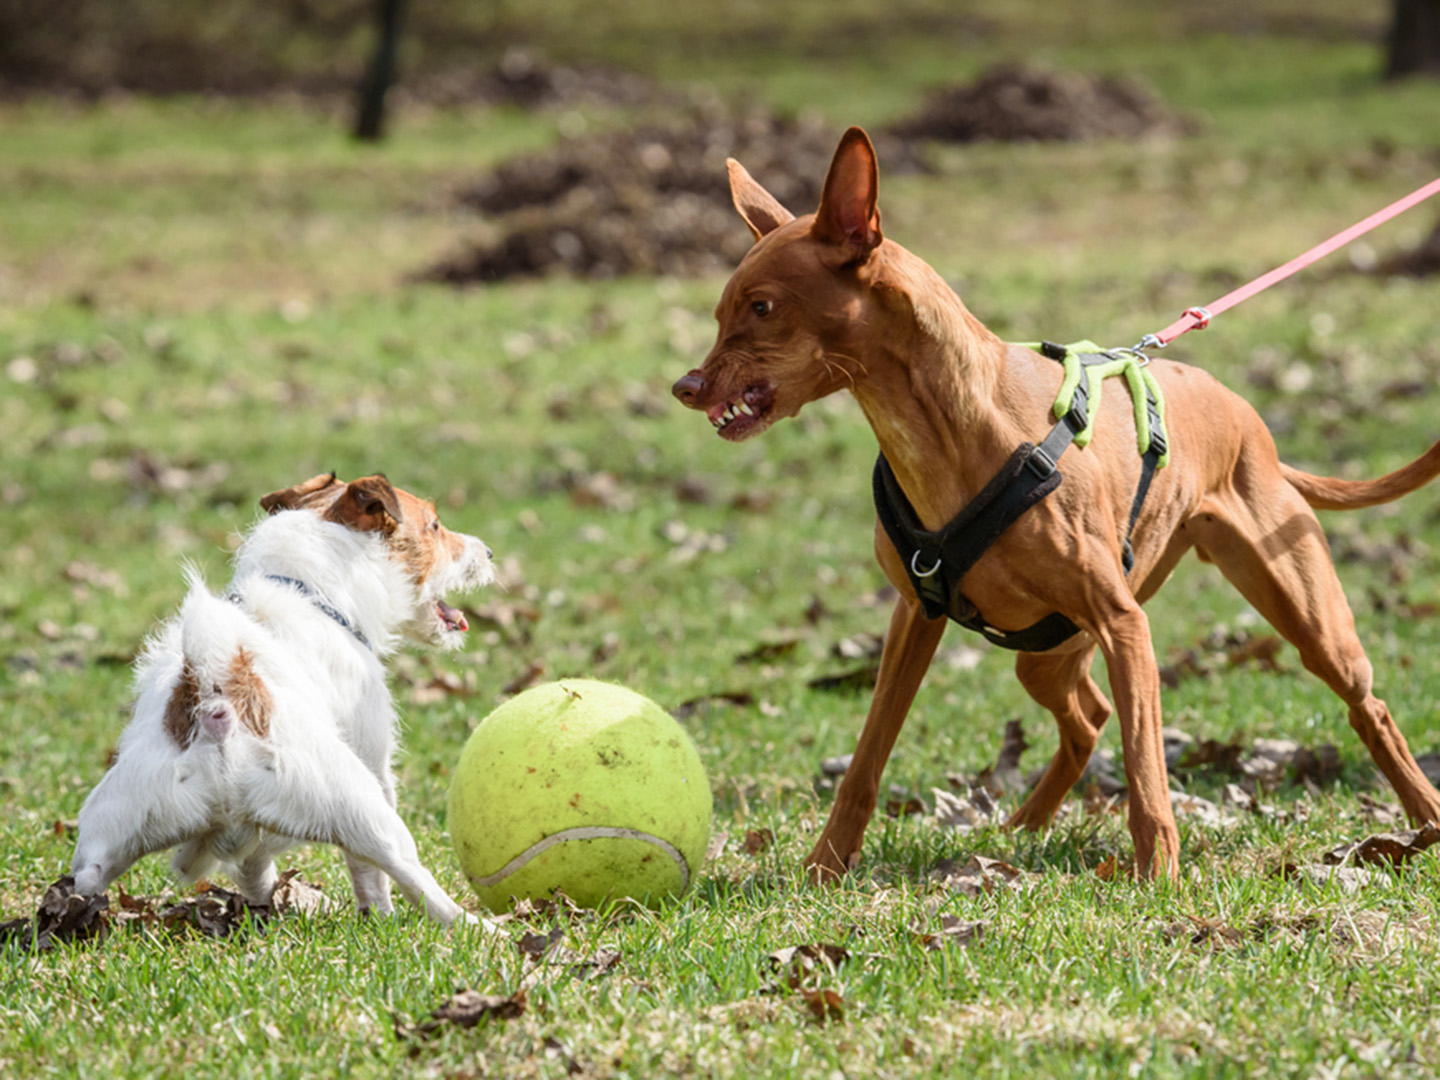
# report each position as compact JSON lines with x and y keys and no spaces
{"x":930,"y":388}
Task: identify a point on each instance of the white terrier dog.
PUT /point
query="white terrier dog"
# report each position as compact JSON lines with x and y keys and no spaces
{"x":262,"y":717}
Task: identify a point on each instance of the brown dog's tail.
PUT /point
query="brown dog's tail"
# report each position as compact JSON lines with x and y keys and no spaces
{"x":1328,"y":493}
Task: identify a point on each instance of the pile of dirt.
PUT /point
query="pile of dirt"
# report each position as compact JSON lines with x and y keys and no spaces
{"x":526,"y":80}
{"x":1013,"y":103}
{"x":1423,"y":261}
{"x":650,"y":200}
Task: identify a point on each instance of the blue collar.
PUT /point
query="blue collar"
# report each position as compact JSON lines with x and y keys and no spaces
{"x":323,"y":604}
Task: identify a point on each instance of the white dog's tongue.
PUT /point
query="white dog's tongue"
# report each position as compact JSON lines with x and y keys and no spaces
{"x":453,"y":618}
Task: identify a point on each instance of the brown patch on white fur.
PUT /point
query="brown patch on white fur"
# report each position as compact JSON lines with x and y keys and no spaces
{"x":180,"y":709}
{"x":315,"y":490}
{"x":369,"y":504}
{"x":249,"y":695}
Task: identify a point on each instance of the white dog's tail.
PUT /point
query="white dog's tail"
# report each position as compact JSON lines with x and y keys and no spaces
{"x":219,"y":688}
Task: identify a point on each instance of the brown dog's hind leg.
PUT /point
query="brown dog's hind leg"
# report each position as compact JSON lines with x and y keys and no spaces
{"x":1061,"y":683}
{"x":909,"y":647}
{"x":1271,"y":547}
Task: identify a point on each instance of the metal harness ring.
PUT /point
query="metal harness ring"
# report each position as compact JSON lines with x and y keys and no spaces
{"x":923,"y":573}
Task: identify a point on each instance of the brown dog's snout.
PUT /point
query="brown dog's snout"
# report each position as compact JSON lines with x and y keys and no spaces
{"x":688,"y":388}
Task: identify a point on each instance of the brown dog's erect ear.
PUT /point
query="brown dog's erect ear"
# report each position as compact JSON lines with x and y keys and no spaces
{"x":368,"y":505}
{"x":761,"y":210}
{"x":848,"y":217}
{"x":292,"y":498}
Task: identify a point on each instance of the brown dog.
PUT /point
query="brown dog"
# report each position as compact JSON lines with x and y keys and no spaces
{"x":824,"y":303}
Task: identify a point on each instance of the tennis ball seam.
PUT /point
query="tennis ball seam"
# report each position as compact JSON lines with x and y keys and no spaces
{"x":586,"y":832}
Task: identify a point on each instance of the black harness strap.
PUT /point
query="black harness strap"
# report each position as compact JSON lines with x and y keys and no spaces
{"x":937,"y":562}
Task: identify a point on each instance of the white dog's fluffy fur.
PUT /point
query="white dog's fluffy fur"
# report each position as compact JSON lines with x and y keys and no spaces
{"x":263,"y":718}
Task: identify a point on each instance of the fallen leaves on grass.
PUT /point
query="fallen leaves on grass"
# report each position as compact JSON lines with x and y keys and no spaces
{"x":1004,"y":776}
{"x":1386,"y":849}
{"x":532,"y":673}
{"x":705,"y":702}
{"x":804,"y":968}
{"x":953,"y":930}
{"x":63,"y":915}
{"x":1220,"y":649}
{"x":972,"y":810}
{"x":1348,"y":879}
{"x":1201,"y":810}
{"x":758,"y":840}
{"x":465,"y":1009}
{"x":979,"y":876}
{"x":854,"y":681}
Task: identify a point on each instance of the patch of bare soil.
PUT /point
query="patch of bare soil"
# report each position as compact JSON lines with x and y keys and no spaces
{"x":1419,"y":262}
{"x":525,"y":80}
{"x":1015,"y":103}
{"x":648,"y":200}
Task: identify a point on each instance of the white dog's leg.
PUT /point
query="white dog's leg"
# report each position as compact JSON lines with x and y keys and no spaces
{"x":194,"y":859}
{"x":371,"y":884}
{"x":256,"y":877}
{"x":349,"y":809}
{"x":131,"y":813}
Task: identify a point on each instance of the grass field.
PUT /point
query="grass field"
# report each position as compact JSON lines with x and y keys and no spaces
{"x":201,"y":301}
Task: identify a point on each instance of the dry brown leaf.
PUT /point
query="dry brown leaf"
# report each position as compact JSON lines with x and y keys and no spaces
{"x":62,"y":915}
{"x":534,"y":945}
{"x":963,"y":813}
{"x":953,"y":931}
{"x":1386,"y":849}
{"x":699,"y":705}
{"x":533,"y":673}
{"x":979,"y":876}
{"x":466,"y":1009}
{"x":824,"y":1004}
{"x":758,"y":840}
{"x":293,"y":893}
{"x":801,"y":960}
{"x":1005,"y":776}
{"x":769,"y":651}
{"x":855,"y":680}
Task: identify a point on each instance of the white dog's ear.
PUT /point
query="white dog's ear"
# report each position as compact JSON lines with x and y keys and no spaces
{"x":293,"y":498}
{"x":368,"y":505}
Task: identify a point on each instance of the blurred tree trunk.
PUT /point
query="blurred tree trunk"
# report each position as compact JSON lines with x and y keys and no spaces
{"x":1413,"y":47}
{"x":370,"y":119}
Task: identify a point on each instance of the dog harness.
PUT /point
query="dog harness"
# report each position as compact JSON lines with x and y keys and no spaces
{"x":937,"y":562}
{"x":319,"y":601}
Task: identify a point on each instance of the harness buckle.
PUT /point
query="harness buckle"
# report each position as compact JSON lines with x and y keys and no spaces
{"x":1040,"y":463}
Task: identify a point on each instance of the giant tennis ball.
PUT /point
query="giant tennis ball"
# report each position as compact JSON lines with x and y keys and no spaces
{"x":583,"y":786}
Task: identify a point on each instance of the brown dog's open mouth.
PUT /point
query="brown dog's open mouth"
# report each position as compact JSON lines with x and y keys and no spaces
{"x":745,"y":415}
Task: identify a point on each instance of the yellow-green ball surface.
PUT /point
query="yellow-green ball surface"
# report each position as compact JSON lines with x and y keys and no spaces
{"x":583,"y":786}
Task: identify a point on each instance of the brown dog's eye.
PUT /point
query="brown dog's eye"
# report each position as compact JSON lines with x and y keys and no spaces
{"x":762,"y":307}
{"x":435,"y":525}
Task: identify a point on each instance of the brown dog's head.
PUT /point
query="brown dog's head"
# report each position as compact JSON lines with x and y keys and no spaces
{"x":790,"y":315}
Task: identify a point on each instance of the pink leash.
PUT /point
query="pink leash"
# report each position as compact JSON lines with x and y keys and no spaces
{"x":1197,"y":318}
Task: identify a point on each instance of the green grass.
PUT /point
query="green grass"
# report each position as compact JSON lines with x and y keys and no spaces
{"x":217,"y":288}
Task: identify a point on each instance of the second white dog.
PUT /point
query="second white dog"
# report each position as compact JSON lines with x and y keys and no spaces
{"x":263,"y":718}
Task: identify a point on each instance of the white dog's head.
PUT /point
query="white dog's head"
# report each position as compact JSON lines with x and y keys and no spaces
{"x":435,"y":560}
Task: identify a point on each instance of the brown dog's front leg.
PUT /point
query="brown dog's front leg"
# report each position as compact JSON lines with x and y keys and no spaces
{"x":909,"y":647}
{"x":1135,"y":682}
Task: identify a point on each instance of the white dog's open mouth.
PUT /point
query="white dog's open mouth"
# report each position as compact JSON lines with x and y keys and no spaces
{"x":451,"y":619}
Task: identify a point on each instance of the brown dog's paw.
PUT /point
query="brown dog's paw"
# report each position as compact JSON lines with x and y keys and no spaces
{"x":823,"y":866}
